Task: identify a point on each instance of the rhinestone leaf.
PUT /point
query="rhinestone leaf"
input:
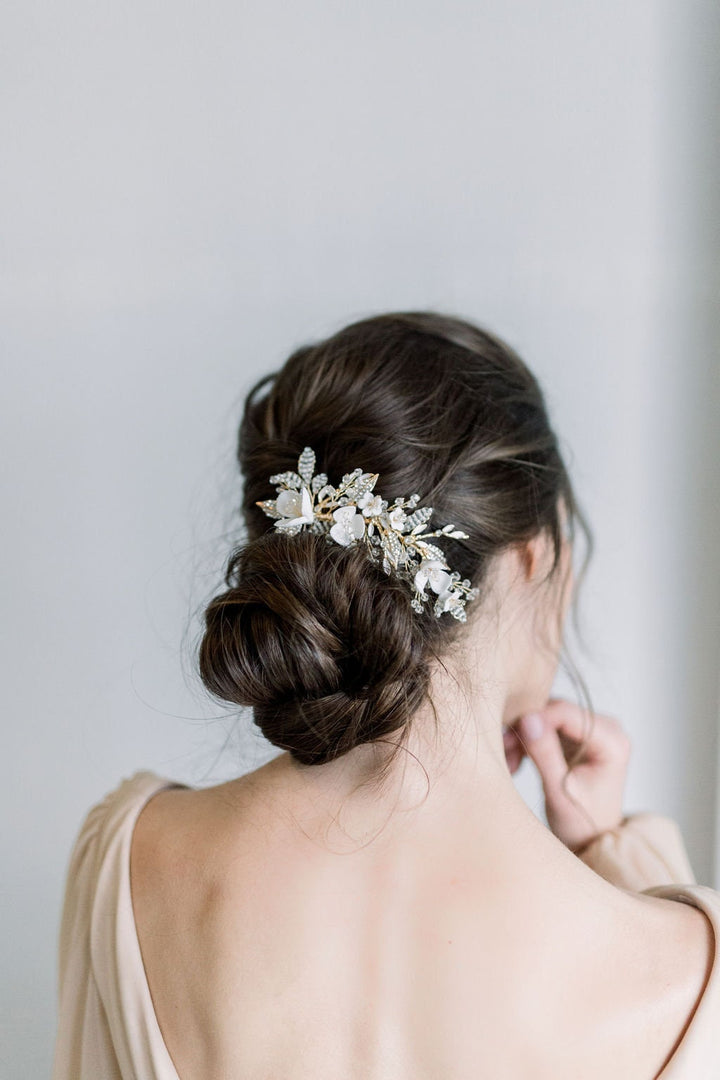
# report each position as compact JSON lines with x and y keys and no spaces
{"x":270,"y":508}
{"x":288,"y":479}
{"x":393,"y":547}
{"x":318,"y":482}
{"x":306,"y":464}
{"x":418,"y":518}
{"x":430,"y":551}
{"x":366,"y":482}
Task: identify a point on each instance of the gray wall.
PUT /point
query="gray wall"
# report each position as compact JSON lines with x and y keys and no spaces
{"x":188,"y":191}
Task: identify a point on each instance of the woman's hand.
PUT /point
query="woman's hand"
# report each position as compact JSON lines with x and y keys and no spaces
{"x":596,"y":782}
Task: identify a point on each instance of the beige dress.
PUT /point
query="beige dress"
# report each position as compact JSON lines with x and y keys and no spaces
{"x":107,"y":1029}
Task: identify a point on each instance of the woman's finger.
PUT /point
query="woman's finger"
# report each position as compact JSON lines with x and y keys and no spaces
{"x":514,"y":751}
{"x":549,"y":737}
{"x":543,"y":746}
{"x":603,"y":736}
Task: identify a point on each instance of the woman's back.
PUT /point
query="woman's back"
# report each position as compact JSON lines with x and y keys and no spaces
{"x":268,"y":956}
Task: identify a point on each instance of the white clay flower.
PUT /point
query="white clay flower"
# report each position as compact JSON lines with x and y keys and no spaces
{"x":296,"y":508}
{"x":397,"y":518}
{"x":349,"y":525}
{"x":432,"y":572}
{"x":371,"y":505}
{"x":448,"y":599}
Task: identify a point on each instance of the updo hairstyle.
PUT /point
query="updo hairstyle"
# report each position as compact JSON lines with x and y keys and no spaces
{"x":315,"y":637}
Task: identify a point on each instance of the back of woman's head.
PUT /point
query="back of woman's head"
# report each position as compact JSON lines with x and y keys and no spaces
{"x":320,"y":641}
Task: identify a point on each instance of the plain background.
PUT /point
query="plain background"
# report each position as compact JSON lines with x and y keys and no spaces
{"x":188,"y":192}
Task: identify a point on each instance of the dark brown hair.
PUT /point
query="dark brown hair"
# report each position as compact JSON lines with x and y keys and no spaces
{"x":324,"y":645}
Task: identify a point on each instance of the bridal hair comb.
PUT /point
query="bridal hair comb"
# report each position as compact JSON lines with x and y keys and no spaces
{"x":351,"y":513}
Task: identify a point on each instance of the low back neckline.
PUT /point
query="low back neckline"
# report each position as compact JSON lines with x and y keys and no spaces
{"x":149,"y":784}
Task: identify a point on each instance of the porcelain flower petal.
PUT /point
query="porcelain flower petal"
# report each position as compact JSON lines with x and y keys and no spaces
{"x":432,"y":572}
{"x":439,"y":580}
{"x":371,"y":505}
{"x":296,"y":508}
{"x":397,"y":518}
{"x":449,"y":598}
{"x":289,"y":503}
{"x":349,"y":525}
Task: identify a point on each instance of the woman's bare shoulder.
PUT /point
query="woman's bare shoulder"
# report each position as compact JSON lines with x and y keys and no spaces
{"x":182,"y":827}
{"x":679,"y":944}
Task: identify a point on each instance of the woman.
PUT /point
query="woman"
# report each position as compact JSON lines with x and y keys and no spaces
{"x":378,"y":901}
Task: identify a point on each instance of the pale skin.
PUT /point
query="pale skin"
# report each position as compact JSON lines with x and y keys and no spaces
{"x":302,"y":923}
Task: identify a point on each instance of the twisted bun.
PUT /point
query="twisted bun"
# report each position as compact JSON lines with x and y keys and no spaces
{"x":321,"y":643}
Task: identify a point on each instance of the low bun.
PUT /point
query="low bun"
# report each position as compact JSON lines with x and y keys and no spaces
{"x":319,"y":640}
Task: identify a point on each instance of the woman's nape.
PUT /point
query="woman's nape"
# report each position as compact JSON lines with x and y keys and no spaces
{"x":453,"y":772}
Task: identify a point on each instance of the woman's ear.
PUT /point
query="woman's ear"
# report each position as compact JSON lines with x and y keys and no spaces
{"x":532,"y":555}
